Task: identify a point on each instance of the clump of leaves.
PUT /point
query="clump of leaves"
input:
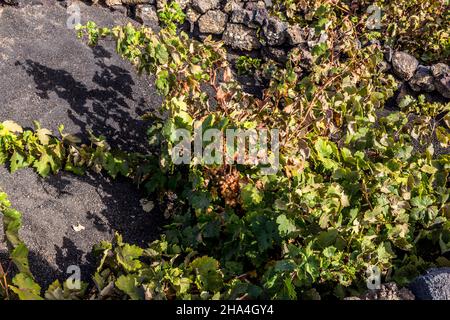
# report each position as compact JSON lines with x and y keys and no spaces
{"x":47,"y":154}
{"x":418,"y":26}
{"x":171,"y":15}
{"x":352,"y":190}
{"x":246,"y":65}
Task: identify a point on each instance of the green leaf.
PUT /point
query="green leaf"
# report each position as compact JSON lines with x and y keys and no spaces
{"x":329,"y":252}
{"x":161,"y":54}
{"x":285,"y":226}
{"x":26,"y":288}
{"x":385,"y":252}
{"x":127,"y":257}
{"x":19,"y":255}
{"x":319,"y":49}
{"x":45,"y":164}
{"x":327,"y":238}
{"x":55,"y":291}
{"x":264,"y":230}
{"x":130,"y":285}
{"x":12,"y":222}
{"x":251,"y":196}
{"x":207,"y":270}
{"x":162,"y":82}
{"x":18,"y":161}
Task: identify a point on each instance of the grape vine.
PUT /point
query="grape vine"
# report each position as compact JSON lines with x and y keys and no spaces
{"x":355,"y":187}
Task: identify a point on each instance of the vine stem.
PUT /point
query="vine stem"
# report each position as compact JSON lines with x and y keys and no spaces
{"x":4,"y":282}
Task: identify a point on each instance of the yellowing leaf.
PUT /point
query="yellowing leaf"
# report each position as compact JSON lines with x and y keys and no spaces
{"x":12,"y":126}
{"x":44,"y":136}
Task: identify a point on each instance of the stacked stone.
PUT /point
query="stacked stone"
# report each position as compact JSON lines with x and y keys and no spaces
{"x":246,"y":26}
{"x":421,"y":78}
{"x":243,"y":25}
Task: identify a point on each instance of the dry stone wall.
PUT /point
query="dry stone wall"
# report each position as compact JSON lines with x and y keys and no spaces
{"x":243,"y":25}
{"x":247,"y":27}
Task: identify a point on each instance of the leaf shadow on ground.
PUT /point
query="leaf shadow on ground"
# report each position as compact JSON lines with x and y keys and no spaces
{"x":103,"y":106}
{"x":106,"y":108}
{"x":121,"y":212}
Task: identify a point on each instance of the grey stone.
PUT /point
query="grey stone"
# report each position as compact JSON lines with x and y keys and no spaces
{"x":260,"y":16}
{"x":313,"y":41}
{"x":310,"y":33}
{"x":192,"y":15}
{"x":11,"y":2}
{"x":213,"y":21}
{"x":254,"y":5}
{"x":404,"y":65}
{"x":441,"y":73}
{"x":385,"y":66}
{"x":231,"y":5}
{"x":303,"y":57}
{"x":183,"y":3}
{"x":160,"y":4}
{"x":274,"y":31}
{"x":433,"y":285}
{"x":295,"y":35}
{"x":269,"y":3}
{"x":205,"y":5}
{"x":122,"y":9}
{"x":389,"y":291}
{"x":440,"y":69}
{"x":277,"y":54}
{"x":242,"y":16}
{"x":111,"y":3}
{"x":147,"y":14}
{"x":241,"y":37}
{"x":422,"y":80}
{"x":306,"y":57}
{"x":134,"y":2}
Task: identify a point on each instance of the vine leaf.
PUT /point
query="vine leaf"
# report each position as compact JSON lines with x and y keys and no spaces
{"x":130,"y":285}
{"x":26,"y":288}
